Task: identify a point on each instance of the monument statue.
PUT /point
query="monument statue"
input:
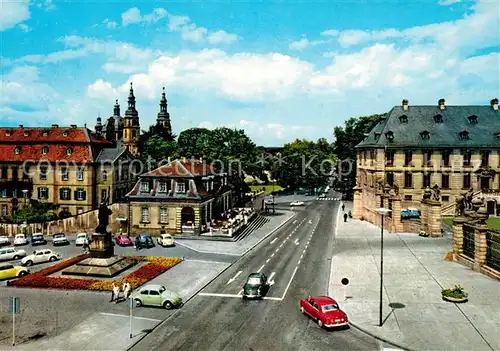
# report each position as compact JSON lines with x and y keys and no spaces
{"x":460,"y":206}
{"x":468,"y":199}
{"x":103,"y":218}
{"x":436,"y":193}
{"x":427,"y":193}
{"x":101,"y":245}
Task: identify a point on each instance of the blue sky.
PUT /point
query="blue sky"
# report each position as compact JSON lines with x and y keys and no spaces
{"x":280,"y":70}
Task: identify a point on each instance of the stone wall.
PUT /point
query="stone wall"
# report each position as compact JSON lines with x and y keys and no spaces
{"x":85,"y":222}
{"x":411,"y":225}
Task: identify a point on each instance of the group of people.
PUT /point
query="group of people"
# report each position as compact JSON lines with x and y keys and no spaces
{"x":346,"y":214}
{"x":115,"y":293}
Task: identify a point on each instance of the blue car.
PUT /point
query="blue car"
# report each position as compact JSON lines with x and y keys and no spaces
{"x":145,"y":241}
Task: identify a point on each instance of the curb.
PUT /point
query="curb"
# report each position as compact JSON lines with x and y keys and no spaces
{"x":379,"y":338}
{"x":208,"y":283}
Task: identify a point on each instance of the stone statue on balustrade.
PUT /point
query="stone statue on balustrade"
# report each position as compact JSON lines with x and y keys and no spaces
{"x":468,"y":199}
{"x":435,"y":193}
{"x":427,"y":194}
{"x":460,"y":206}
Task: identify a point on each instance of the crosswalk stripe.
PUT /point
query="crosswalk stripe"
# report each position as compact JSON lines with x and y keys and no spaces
{"x":326,"y":198}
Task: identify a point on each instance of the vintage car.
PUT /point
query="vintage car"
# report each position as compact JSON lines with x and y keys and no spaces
{"x":60,"y":239}
{"x":11,"y":254}
{"x":123,"y":240}
{"x":325,"y":311}
{"x":40,"y":256}
{"x":81,"y":239}
{"x":166,"y":240}
{"x":8,"y":271}
{"x":38,"y":239}
{"x":20,"y":239}
{"x":4,"y":240}
{"x":256,"y":286}
{"x":297,"y":203}
{"x":145,"y":241}
{"x":156,"y":295}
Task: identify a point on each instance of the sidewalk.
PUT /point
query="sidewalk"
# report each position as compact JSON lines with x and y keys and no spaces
{"x":239,"y":248}
{"x":414,"y":274}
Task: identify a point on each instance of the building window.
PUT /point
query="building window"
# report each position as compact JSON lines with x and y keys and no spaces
{"x":389,"y":178}
{"x":104,"y":176}
{"x":79,"y":173}
{"x":403,"y":119}
{"x":408,"y":158}
{"x":467,"y":154}
{"x":408,"y":180}
{"x":445,"y":198}
{"x":485,"y":155}
{"x":4,"y":192}
{"x":104,"y":194}
{"x":145,"y":215}
{"x":163,"y":215}
{"x":65,"y":194}
{"x":5,"y":173}
{"x":425,"y":135}
{"x":427,"y":157}
{"x":144,"y":186}
{"x":43,"y":173}
{"x":467,"y":181}
{"x":4,"y":210}
{"x":389,"y":158}
{"x":14,"y":193}
{"x":65,"y":134}
{"x":427,"y":180}
{"x":408,"y":197}
{"x":15,"y":174}
{"x":80,"y":195}
{"x":445,"y":181}
{"x":181,"y":187}
{"x":64,"y":173}
{"x":79,"y":210}
{"x":438,"y":119}
{"x":163,"y":187}
{"x":17,"y":150}
{"x":45,"y":149}
{"x":445,"y":155}
{"x":43,"y":193}
{"x":69,"y":151}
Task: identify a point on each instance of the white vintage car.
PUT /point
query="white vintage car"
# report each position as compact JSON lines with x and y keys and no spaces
{"x":4,"y":240}
{"x":297,"y":203}
{"x":82,"y":238}
{"x":11,"y":254}
{"x":166,"y":240}
{"x":40,"y":256}
{"x":20,"y":239}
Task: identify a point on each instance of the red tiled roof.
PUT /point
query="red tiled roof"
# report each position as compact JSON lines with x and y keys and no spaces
{"x":80,"y":153}
{"x":37,"y":134}
{"x":188,"y":169}
{"x":95,"y":140}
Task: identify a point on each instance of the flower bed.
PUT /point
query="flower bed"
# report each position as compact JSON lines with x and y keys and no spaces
{"x":41,"y":279}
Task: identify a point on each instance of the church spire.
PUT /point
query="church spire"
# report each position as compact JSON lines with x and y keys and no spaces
{"x":116,"y":109}
{"x":163,"y":119}
{"x":163,"y":102}
{"x":131,"y":98}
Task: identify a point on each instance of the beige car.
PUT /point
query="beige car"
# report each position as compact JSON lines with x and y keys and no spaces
{"x":166,"y":240}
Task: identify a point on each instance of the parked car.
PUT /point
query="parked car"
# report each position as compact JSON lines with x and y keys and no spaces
{"x":123,"y":240}
{"x":38,"y":239}
{"x":322,"y":196}
{"x":166,"y":240}
{"x":145,"y":241}
{"x":40,"y":256}
{"x":256,"y":286}
{"x":20,"y":239}
{"x":82,"y":238}
{"x":8,"y":271}
{"x":60,"y":239}
{"x":11,"y":254}
{"x":156,"y":295}
{"x":4,"y":240}
{"x":297,"y":203}
{"x":325,"y":311}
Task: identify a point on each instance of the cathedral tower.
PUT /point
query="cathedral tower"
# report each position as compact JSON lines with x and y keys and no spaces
{"x":131,"y":127}
{"x":163,"y":119}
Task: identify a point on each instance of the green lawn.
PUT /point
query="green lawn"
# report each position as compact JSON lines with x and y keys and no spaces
{"x":493,"y":222}
{"x":268,"y":188}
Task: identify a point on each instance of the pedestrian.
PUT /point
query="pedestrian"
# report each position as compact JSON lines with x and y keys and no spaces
{"x":113,"y":293}
{"x":137,"y":243}
{"x":343,"y":207}
{"x":126,"y":290}
{"x":345,"y":217}
{"x":116,"y":292}
{"x":350,"y":214}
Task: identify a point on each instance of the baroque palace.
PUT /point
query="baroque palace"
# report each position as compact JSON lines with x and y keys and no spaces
{"x":73,"y":167}
{"x":454,"y":148}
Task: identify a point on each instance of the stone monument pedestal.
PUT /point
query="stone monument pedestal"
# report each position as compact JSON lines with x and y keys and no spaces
{"x":99,"y":267}
{"x":101,"y":246}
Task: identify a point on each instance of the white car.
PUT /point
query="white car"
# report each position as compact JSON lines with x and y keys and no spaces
{"x":11,"y":254}
{"x":40,"y":256}
{"x":82,"y":238}
{"x":166,"y":240}
{"x":4,"y":240}
{"x":60,"y":239}
{"x":20,"y":239}
{"x":322,"y":196}
{"x":297,"y":203}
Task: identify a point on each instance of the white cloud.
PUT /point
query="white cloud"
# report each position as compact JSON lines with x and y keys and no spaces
{"x":448,"y":2}
{"x":47,"y":5}
{"x":110,"y":24}
{"x":330,"y":33}
{"x":13,"y":13}
{"x":101,"y":90}
{"x":222,"y":37}
{"x":24,"y":27}
{"x":299,"y":44}
{"x":131,"y":16}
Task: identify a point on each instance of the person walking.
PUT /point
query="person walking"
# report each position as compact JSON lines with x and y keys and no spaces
{"x":116,"y":292}
{"x":137,"y":243}
{"x":113,"y":297}
{"x":126,"y":290}
{"x":345,"y":217}
{"x":343,"y":207}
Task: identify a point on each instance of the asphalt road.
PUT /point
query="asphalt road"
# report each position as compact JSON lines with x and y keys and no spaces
{"x":298,"y":259}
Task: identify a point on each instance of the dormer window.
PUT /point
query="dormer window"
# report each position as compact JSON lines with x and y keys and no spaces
{"x":69,"y":151}
{"x":438,"y":119}
{"x":389,"y":135}
{"x":425,"y":135}
{"x":65,"y":133}
{"x":8,"y":133}
{"x":26,"y":133}
{"x":377,"y":135}
{"x":463,"y":135}
{"x":472,"y":119}
{"x":45,"y":133}
{"x":403,"y":119}
{"x":144,"y":186}
{"x":45,"y":149}
{"x":162,"y":187}
{"x":181,"y":187}
{"x":17,"y":150}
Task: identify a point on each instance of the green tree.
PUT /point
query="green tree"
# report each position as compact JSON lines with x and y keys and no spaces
{"x":196,"y":142}
{"x":35,"y":212}
{"x":157,"y":151}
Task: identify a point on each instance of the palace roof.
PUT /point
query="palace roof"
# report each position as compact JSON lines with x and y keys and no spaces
{"x":183,"y":169}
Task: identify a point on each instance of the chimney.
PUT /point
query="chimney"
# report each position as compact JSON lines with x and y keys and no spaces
{"x":55,"y":126}
{"x":442,"y":104}
{"x":73,"y":126}
{"x":21,"y":126}
{"x":494,"y":104}
{"x":405,"y":105}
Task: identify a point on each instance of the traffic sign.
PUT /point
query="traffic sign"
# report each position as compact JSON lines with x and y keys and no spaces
{"x":345,"y":281}
{"x":14,"y":305}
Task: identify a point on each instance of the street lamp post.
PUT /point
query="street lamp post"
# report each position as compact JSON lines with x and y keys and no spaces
{"x":383,"y":212}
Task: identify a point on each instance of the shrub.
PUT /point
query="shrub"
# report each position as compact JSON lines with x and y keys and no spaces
{"x":457,"y":292}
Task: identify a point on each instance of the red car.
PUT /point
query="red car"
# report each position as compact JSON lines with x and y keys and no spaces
{"x":123,"y":240}
{"x":324,"y":310}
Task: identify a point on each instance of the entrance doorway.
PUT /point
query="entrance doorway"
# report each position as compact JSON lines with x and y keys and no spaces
{"x":485,"y":182}
{"x":187,"y":216}
{"x":490,"y":206}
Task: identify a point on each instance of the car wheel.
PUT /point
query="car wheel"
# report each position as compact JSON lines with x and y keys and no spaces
{"x":138,"y":303}
{"x":320,"y":323}
{"x":16,"y":257}
{"x":29,"y":263}
{"x":23,"y":273}
{"x":52,"y":258}
{"x":302,"y":310}
{"x":168,"y":305}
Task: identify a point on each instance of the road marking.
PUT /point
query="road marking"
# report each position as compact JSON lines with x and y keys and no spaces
{"x":273,"y":298}
{"x":272,"y":255}
{"x":281,"y":245}
{"x":126,"y":316}
{"x":310,"y":221}
{"x":267,"y":261}
{"x":294,"y":222}
{"x":271,"y":281}
{"x":296,"y":241}
{"x":298,"y":263}
{"x":289,"y":283}
{"x":261,"y":268}
{"x":301,"y":256}
{"x":234,"y":278}
{"x":272,"y":242}
{"x":224,"y":295}
{"x":240,"y":292}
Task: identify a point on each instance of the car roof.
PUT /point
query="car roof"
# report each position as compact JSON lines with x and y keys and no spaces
{"x":81,"y":234}
{"x":144,"y":234}
{"x":151,"y":286}
{"x":166,"y":235}
{"x":252,"y":275}
{"x":324,"y":300}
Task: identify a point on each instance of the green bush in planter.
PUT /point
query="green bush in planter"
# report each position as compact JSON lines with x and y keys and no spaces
{"x":457,"y":292}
